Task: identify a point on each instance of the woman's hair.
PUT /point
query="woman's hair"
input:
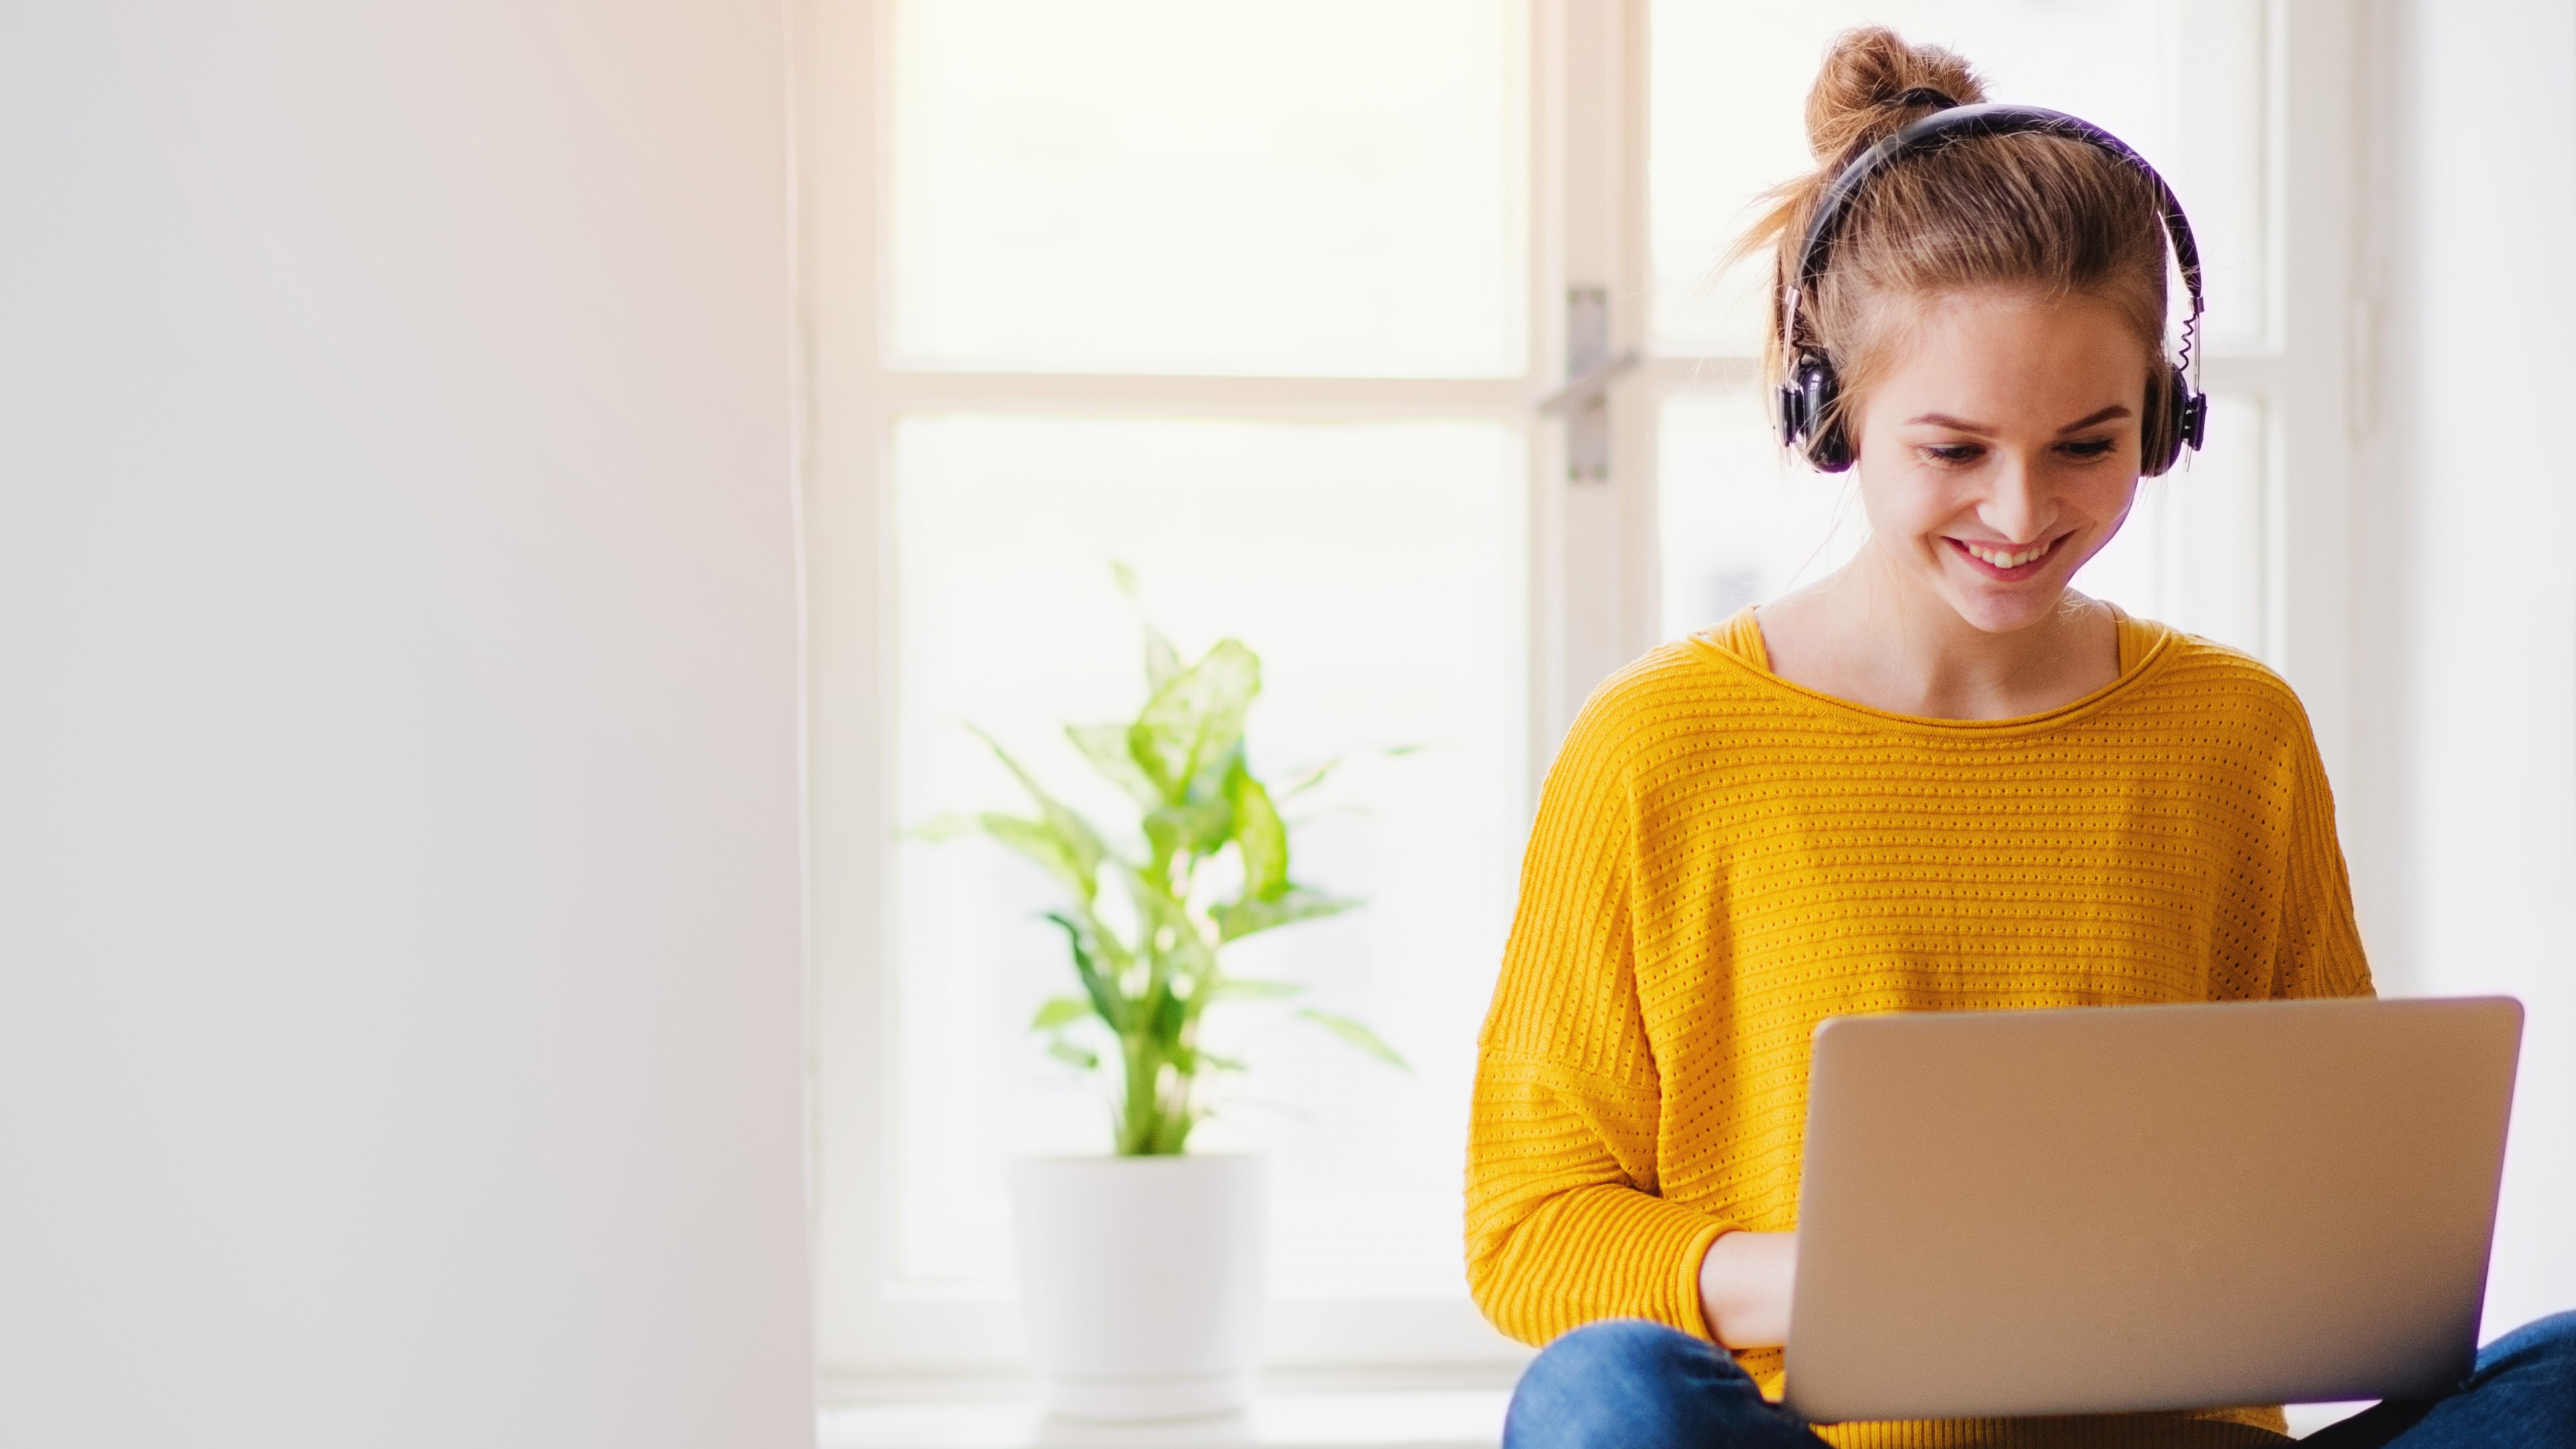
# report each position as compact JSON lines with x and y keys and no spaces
{"x":2052,"y":217}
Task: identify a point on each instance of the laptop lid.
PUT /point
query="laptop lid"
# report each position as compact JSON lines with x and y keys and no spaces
{"x":2157,"y":1207}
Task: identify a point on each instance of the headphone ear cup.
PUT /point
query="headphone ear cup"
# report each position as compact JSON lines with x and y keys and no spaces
{"x":1832,"y":450}
{"x":1828,"y":442}
{"x":1798,"y":393}
{"x":2175,"y":420}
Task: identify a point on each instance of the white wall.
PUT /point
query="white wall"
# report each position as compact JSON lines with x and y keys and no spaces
{"x":2473,"y":581}
{"x":399,"y":944}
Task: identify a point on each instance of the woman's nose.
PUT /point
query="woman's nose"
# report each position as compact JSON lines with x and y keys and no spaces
{"x":2013,"y":507}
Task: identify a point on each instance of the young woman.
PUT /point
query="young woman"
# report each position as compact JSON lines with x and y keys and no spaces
{"x":1937,"y":780}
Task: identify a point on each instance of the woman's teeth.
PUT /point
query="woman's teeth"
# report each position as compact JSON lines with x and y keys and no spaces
{"x":2002,"y":560}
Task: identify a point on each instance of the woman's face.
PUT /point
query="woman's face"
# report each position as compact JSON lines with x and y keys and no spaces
{"x":2001,"y":450}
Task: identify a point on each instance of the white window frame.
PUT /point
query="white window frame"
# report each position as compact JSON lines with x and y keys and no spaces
{"x":1594,"y":589}
{"x":869,"y":1344}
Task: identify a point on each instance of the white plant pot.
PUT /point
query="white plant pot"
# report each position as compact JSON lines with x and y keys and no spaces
{"x":1142,"y":1281}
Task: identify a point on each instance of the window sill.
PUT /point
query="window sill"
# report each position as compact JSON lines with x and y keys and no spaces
{"x":1419,"y":1419}
{"x":1424,"y":1419}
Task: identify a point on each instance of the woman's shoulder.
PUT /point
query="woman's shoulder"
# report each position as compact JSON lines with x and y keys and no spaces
{"x":2190,"y":678}
{"x":1693,"y":688}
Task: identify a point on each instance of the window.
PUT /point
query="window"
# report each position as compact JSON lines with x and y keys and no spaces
{"x":1257,"y":299}
{"x":1237,"y":296}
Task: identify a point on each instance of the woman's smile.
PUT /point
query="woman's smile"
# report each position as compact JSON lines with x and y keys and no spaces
{"x":2002,"y":562}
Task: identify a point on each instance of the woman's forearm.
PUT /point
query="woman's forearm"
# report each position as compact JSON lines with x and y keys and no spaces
{"x":1744,"y":1285}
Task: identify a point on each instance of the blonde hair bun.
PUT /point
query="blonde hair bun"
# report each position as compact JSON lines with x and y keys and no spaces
{"x":1873,"y":83}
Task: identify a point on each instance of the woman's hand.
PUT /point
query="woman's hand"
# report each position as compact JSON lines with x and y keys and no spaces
{"x":1744,"y":1287}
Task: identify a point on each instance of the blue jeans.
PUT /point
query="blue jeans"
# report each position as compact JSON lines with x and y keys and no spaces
{"x":1629,"y":1384}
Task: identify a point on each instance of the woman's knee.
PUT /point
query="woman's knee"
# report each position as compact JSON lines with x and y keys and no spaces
{"x":2542,"y":1346}
{"x":1618,"y":1347}
{"x":1625,"y":1383}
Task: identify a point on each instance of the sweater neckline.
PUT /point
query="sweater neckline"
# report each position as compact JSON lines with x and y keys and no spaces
{"x":1738,"y":642}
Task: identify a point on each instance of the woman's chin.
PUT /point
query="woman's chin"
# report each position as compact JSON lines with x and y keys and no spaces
{"x":2007,"y":610}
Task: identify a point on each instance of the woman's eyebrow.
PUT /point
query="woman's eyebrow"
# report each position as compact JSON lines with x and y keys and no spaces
{"x":1944,"y":420}
{"x":2115,"y":410}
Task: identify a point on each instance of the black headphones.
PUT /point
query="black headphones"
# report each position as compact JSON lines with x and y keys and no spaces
{"x":2177,"y":418}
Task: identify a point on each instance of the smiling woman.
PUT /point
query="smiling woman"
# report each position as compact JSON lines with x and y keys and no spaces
{"x":1936,"y":780}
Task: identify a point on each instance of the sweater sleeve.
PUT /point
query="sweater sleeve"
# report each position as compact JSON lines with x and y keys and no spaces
{"x":1564,"y":1226}
{"x":2320,"y":952}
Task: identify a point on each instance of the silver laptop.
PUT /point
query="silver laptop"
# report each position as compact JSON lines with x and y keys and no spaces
{"x":2158,"y":1207}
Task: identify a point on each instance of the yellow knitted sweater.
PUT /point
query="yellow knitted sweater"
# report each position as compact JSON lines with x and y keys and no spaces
{"x":1723,"y":859}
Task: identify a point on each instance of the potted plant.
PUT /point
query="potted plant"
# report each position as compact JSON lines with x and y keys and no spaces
{"x":1141,"y":1271}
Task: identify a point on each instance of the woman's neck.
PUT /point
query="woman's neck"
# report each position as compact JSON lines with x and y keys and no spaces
{"x":1866,"y":634}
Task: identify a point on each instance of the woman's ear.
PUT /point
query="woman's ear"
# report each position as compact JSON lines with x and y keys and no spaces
{"x":2160,"y":420}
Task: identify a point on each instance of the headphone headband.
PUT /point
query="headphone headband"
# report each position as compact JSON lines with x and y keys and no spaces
{"x":1961,"y":123}
{"x":1803,"y":411}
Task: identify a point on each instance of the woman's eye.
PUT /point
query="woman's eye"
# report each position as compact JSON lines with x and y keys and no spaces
{"x":1954,"y":453}
{"x":2089,"y":448}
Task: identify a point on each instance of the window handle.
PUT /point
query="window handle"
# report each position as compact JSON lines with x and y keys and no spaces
{"x":1590,"y":368}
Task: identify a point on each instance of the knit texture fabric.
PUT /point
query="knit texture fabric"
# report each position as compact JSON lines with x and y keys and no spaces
{"x":1723,"y":859}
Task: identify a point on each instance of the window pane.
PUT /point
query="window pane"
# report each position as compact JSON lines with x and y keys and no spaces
{"x":1294,"y":187}
{"x":2181,"y":80}
{"x":1377,"y":569}
{"x":1740,"y":523}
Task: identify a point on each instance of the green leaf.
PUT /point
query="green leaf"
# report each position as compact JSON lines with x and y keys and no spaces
{"x":1049,"y":849}
{"x":1156,"y":907}
{"x":1105,"y":746}
{"x":1071,"y":1055}
{"x":1307,"y":779}
{"x":1170,"y":1013}
{"x":1191,"y":727}
{"x":1357,"y":1035}
{"x":1258,"y":835}
{"x":1237,"y":988}
{"x":1189,"y":952}
{"x":1238,"y":919}
{"x":1058,"y":1012}
{"x":1194,"y":827}
{"x":1162,"y":661}
{"x":1096,"y":984}
{"x":1081,"y":849}
{"x":1314,"y":775}
{"x":943,"y":827}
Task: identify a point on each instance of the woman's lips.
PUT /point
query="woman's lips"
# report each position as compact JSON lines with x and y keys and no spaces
{"x":2015,"y":573}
